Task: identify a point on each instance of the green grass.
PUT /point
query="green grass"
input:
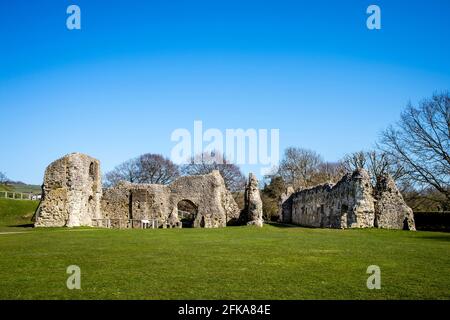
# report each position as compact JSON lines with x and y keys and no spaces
{"x":231,"y":263}
{"x":15,"y":214}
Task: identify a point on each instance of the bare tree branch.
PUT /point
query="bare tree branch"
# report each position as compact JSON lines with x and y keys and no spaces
{"x":420,"y":140}
{"x":206,"y":162}
{"x":147,"y":168}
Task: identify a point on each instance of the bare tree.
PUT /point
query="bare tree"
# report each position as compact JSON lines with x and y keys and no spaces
{"x":3,"y":178}
{"x":207,"y":162}
{"x":420,"y":140}
{"x":381,"y":163}
{"x":147,"y":168}
{"x":154,"y":168}
{"x":354,"y":161}
{"x":329,"y":172}
{"x":302,"y":168}
{"x":377,"y":163}
{"x":127,"y":171}
{"x":299,"y":167}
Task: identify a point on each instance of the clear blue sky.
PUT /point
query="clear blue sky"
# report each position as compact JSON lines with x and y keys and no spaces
{"x":137,"y":70}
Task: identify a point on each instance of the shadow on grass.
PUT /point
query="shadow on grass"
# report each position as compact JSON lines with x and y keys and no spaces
{"x":281,"y":225}
{"x":439,"y":238}
{"x":430,"y":229}
{"x":28,"y":225}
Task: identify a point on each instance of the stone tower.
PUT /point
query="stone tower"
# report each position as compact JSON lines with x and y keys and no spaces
{"x":72,"y":191}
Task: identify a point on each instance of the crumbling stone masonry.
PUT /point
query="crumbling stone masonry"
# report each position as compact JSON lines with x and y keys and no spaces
{"x":73,"y":196}
{"x":211,"y":203}
{"x":72,"y":191}
{"x":391,"y":210}
{"x":350,"y":203}
{"x":253,"y":204}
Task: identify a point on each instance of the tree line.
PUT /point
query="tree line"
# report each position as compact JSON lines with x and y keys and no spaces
{"x":414,"y":151}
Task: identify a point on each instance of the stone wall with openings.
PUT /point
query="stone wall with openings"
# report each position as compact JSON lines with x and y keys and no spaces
{"x":214,"y":204}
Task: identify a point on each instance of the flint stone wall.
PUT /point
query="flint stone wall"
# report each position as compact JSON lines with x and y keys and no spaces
{"x":285,"y":206}
{"x":73,"y":196}
{"x":350,"y":203}
{"x":253,"y":203}
{"x":391,"y":211}
{"x":214,"y":203}
{"x":71,"y":192}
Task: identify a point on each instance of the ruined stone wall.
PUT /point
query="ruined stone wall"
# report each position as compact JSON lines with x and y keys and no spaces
{"x":391,"y":211}
{"x":136,"y":201}
{"x":253,"y":210}
{"x":350,"y":203}
{"x":73,"y":197}
{"x":214,"y":203}
{"x":71,"y":192}
{"x":285,"y":206}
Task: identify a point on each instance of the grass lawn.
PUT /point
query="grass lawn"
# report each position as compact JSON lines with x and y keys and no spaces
{"x":274,"y":262}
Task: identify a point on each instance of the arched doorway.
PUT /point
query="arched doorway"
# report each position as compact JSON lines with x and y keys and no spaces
{"x":187,"y":213}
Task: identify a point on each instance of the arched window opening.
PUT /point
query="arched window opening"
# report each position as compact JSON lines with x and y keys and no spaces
{"x":92,"y":170}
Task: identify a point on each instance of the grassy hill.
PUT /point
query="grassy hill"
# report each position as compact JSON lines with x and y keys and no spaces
{"x":24,"y":188}
{"x":275,"y":262}
{"x":16,"y":213}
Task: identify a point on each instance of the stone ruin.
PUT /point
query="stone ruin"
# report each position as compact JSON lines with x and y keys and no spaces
{"x":350,"y":203}
{"x":73,"y":196}
{"x":253,"y":211}
{"x":193,"y":201}
{"x":391,"y":211}
{"x":72,"y":191}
